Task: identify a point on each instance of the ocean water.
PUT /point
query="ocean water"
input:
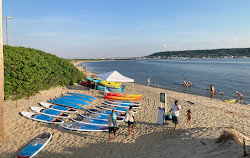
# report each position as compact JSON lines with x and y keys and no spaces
{"x":227,"y":75}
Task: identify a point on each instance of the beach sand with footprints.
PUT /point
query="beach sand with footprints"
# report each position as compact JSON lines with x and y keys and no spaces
{"x":211,"y":117}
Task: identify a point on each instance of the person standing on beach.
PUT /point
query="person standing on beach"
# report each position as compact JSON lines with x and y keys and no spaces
{"x":175,"y":113}
{"x":112,"y":124}
{"x":189,"y":117}
{"x":148,"y":81}
{"x":240,"y":97}
{"x":131,"y":120}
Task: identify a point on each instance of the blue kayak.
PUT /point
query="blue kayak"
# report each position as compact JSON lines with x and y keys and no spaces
{"x":76,"y":126}
{"x":72,"y":101}
{"x":66,"y":104}
{"x":82,"y":95}
{"x":35,"y":146}
{"x":77,"y":98}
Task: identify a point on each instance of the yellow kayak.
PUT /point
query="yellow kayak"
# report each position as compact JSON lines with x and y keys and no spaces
{"x":111,"y":84}
{"x":230,"y":101}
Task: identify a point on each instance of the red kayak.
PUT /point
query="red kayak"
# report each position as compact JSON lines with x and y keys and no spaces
{"x":121,"y":98}
{"x":123,"y":95}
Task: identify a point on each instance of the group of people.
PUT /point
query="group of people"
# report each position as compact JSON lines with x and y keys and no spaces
{"x":176,"y":113}
{"x":187,"y":83}
{"x":129,"y":119}
{"x":240,"y":96}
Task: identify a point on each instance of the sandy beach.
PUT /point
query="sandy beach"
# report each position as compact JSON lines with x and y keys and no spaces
{"x":210,"y":118}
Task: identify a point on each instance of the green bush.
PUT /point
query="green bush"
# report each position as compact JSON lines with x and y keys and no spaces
{"x":27,"y":70}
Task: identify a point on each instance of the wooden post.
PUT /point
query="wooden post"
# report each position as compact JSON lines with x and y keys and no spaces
{"x":1,"y":79}
{"x":244,"y":148}
{"x":6,"y":21}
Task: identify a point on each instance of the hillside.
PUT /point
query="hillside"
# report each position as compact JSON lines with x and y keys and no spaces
{"x":27,"y":71}
{"x":209,"y":53}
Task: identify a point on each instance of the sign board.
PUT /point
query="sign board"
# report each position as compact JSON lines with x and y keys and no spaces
{"x":161,"y":112}
{"x":162,"y":97}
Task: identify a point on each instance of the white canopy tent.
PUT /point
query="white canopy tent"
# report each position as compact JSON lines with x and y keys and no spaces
{"x":115,"y":76}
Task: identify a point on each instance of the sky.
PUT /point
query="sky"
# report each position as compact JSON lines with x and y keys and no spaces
{"x":126,"y":28}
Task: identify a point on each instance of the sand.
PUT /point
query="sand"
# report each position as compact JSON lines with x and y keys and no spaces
{"x":210,"y":118}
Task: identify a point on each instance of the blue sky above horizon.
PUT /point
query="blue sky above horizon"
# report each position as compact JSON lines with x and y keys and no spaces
{"x":131,"y":28}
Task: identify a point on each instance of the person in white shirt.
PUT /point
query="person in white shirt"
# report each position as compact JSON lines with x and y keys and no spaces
{"x":131,"y":120}
{"x":175,"y":113}
{"x":112,"y":123}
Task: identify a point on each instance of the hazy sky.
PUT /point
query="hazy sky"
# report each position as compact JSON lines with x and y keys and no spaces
{"x":126,"y":28}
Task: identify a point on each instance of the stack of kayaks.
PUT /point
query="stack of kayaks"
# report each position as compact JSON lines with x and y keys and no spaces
{"x":115,"y":96}
{"x":35,"y":146}
{"x":122,"y":102}
{"x":102,"y":88}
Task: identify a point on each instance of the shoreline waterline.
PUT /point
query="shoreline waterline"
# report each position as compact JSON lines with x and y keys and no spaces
{"x":169,"y":74}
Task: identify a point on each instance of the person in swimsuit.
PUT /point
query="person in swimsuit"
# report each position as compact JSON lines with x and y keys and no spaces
{"x":189,"y":117}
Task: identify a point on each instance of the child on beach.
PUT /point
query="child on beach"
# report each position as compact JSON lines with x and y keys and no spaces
{"x":189,"y":116}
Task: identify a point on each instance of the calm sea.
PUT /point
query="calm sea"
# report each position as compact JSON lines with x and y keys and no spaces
{"x":227,"y":75}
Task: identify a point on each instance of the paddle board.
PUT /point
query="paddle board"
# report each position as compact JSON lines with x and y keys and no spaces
{"x":122,"y":102}
{"x":41,"y":118}
{"x":49,"y":112}
{"x":90,"y":121}
{"x":57,"y":107}
{"x":66,"y":104}
{"x":221,"y":93}
{"x":75,"y":126}
{"x":123,"y":105}
{"x":117,"y":109}
{"x":77,"y":98}
{"x":35,"y":146}
{"x":99,"y":117}
{"x":81,"y":95}
{"x":105,"y":112}
{"x":74,"y":101}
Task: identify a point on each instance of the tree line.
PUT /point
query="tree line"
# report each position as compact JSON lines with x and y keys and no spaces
{"x":27,"y":71}
{"x":209,"y":53}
